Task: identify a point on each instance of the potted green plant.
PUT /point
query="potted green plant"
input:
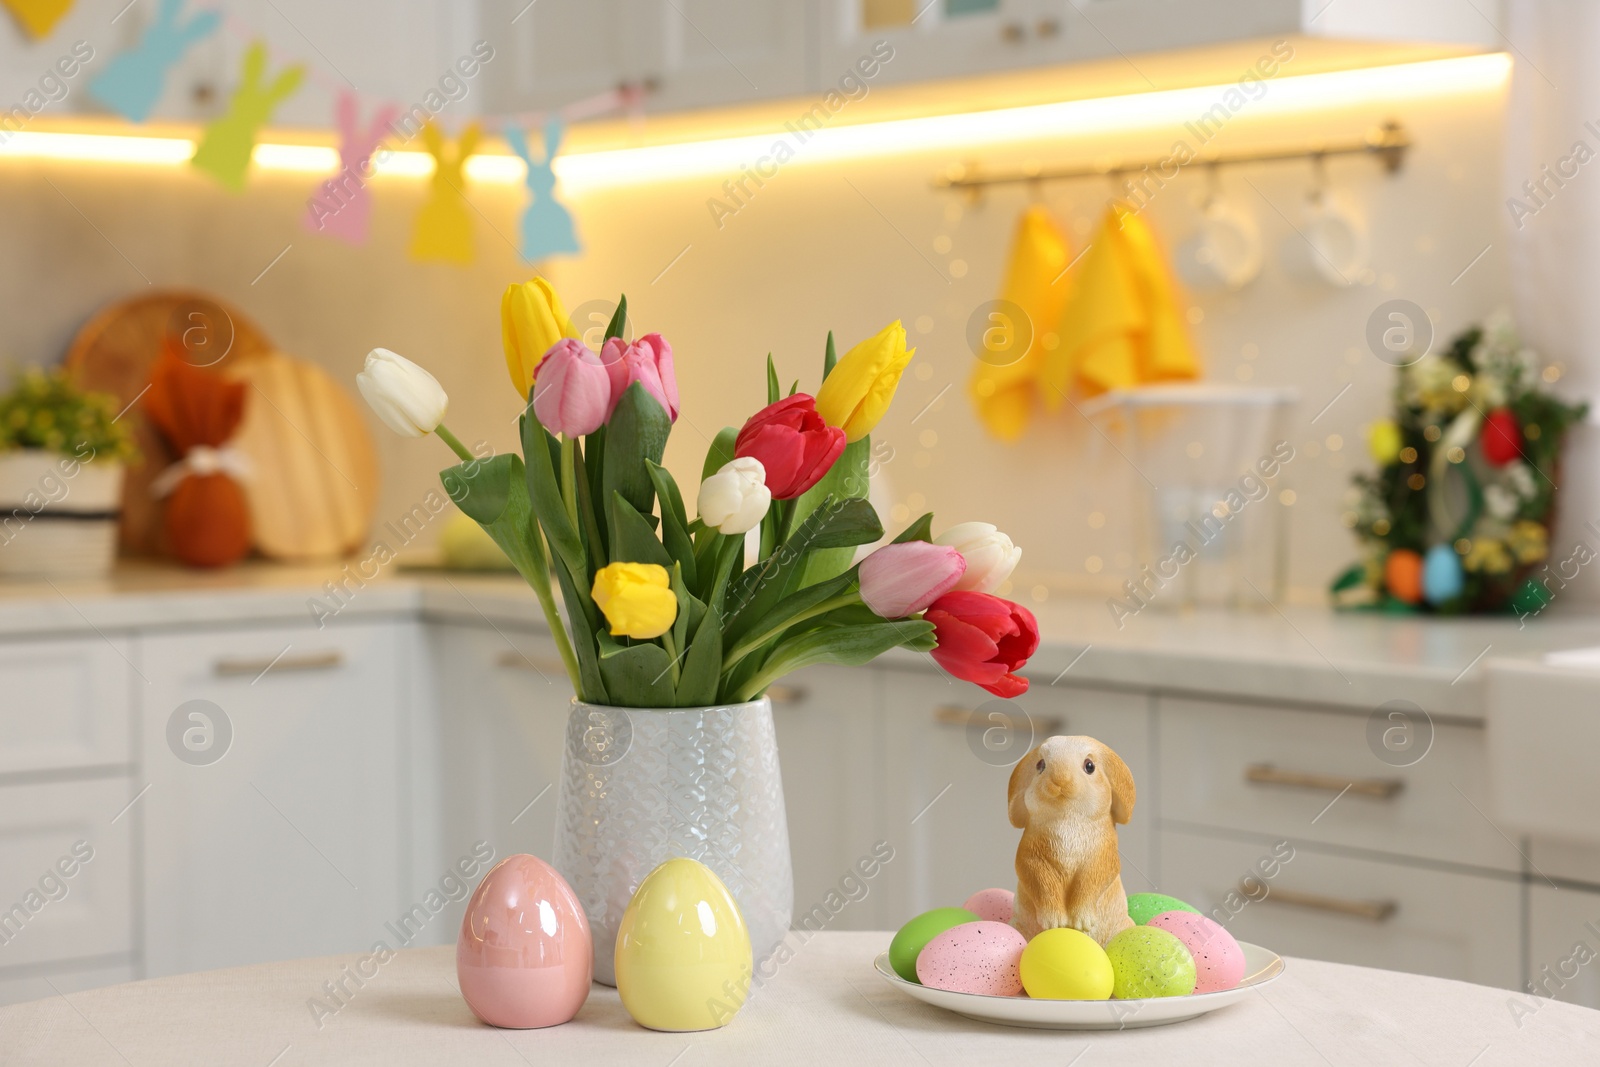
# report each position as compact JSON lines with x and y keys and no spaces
{"x":62,"y":452}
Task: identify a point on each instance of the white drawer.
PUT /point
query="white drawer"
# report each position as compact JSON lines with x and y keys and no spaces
{"x":1365,"y":912}
{"x":1275,"y":771}
{"x":66,"y":704}
{"x":66,"y":884}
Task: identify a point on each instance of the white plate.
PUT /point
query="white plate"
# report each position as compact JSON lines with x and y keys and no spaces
{"x":1260,"y":967}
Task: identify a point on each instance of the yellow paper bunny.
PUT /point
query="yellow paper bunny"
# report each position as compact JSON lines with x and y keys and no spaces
{"x":444,"y":225}
{"x":225,"y":150}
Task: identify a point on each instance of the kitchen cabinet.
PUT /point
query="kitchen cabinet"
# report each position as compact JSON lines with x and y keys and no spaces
{"x":948,"y":754}
{"x":68,"y":704}
{"x":554,"y":52}
{"x":1563,"y":946}
{"x":273,"y":817}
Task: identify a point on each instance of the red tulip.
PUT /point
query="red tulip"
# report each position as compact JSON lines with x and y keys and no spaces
{"x":794,"y":445}
{"x":1502,"y":437}
{"x":984,"y":639}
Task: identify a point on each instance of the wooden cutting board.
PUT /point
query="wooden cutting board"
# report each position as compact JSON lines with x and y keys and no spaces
{"x":114,"y":352}
{"x":314,"y":488}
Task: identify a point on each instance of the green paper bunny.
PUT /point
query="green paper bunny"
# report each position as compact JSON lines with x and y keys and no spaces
{"x":225,"y":149}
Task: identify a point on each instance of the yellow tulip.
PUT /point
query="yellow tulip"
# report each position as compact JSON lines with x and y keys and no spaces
{"x":531,"y":320}
{"x":857,"y":393}
{"x":1383,"y":441}
{"x":636,"y":599}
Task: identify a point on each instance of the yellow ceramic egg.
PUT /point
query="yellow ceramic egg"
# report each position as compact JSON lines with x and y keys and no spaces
{"x":683,"y":956}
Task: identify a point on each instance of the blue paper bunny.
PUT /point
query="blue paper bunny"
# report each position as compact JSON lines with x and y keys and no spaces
{"x":133,"y":82}
{"x":546,"y":225}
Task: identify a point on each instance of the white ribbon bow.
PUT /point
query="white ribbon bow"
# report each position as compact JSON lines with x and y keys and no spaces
{"x":202,"y":459}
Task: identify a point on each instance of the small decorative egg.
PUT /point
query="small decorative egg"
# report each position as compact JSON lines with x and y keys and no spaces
{"x":1441,"y":574}
{"x":915,"y":935}
{"x":1402,"y":575}
{"x":524,"y":957}
{"x":1149,"y":962}
{"x":981,"y":957}
{"x":1218,"y":959}
{"x":1065,"y":964}
{"x":1142,"y":907}
{"x":683,"y":958}
{"x":996,"y":905}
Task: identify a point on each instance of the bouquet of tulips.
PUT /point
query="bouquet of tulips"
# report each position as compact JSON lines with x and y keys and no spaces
{"x":665,"y":610}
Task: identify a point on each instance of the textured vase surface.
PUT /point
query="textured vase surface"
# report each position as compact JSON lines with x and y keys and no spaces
{"x":640,"y":786}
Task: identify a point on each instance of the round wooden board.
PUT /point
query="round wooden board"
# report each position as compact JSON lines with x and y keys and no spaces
{"x":314,"y":487}
{"x":114,"y":353}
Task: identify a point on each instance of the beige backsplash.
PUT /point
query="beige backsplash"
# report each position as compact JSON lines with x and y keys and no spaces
{"x":841,"y":245}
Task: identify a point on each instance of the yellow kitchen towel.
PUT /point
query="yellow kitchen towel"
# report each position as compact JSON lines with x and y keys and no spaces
{"x":1122,"y":326}
{"x":1021,"y":326}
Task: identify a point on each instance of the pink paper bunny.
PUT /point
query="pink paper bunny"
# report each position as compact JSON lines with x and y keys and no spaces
{"x":342,"y":206}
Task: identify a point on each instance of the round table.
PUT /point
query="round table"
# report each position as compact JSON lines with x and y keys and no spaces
{"x":825,"y":1007}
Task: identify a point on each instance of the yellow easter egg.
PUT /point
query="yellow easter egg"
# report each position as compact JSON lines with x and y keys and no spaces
{"x":683,"y":958}
{"x":1064,"y":964}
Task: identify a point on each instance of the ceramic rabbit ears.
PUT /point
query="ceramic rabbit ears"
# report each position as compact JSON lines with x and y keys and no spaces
{"x":554,"y":130}
{"x":437,"y":144}
{"x":255,"y":66}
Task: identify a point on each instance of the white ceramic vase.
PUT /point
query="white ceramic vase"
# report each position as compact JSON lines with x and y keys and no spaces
{"x":640,"y":786}
{"x":58,"y":515}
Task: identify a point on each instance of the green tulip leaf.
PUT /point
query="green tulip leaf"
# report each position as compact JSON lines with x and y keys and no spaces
{"x":847,"y":645}
{"x":921,"y":530}
{"x":772,"y":381}
{"x":830,"y":356}
{"x":836,"y":525}
{"x":632,"y":539}
{"x":619,"y":318}
{"x":541,"y":452}
{"x":847,"y":478}
{"x":674,"y":523}
{"x":637,"y":675}
{"x":749,"y":631}
{"x":636,"y":432}
{"x":702,"y":666}
{"x":720,"y":453}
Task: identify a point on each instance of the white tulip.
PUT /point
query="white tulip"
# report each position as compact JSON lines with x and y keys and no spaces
{"x":734,"y":499}
{"x":407,"y":398}
{"x":990,"y":555}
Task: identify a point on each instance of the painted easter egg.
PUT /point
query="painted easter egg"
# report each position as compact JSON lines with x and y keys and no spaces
{"x":1148,"y":962}
{"x":1501,"y":437}
{"x":524,"y":957}
{"x":915,"y":935}
{"x":1441,"y":574}
{"x":683,"y":956}
{"x":996,"y":905}
{"x":1144,"y":906}
{"x":1218,"y":959}
{"x":1402,"y":575}
{"x":981,"y":957}
{"x":1065,"y":964}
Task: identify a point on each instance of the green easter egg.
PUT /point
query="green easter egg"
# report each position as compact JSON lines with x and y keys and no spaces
{"x":915,"y":935}
{"x":1149,"y":962}
{"x":1142,"y":907}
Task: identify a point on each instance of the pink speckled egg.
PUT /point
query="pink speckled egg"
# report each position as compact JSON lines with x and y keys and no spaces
{"x":525,"y":956}
{"x":996,"y":905}
{"x":1218,"y":959}
{"x":982,"y":957}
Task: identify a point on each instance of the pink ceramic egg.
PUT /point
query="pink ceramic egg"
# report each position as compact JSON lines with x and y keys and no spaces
{"x":1218,"y":959}
{"x":524,"y":957}
{"x":981,"y":957}
{"x":996,"y":905}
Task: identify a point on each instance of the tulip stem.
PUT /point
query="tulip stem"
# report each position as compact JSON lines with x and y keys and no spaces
{"x":454,"y":442}
{"x":569,"y":479}
{"x":672,"y":655}
{"x":756,"y":640}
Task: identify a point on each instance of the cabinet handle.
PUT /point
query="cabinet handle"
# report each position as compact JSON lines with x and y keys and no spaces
{"x":1374,"y":911}
{"x":1267,"y":774}
{"x":314,"y":661}
{"x":1012,"y":32}
{"x":786,"y":694}
{"x":513,"y":660}
{"x":1047,"y":28}
{"x":955,"y":715}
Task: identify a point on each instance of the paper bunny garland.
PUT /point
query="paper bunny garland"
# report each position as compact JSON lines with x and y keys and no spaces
{"x":39,"y":17}
{"x":546,"y":224}
{"x":224,"y":152}
{"x":443,"y":230}
{"x":342,"y":205}
{"x":133,"y":82}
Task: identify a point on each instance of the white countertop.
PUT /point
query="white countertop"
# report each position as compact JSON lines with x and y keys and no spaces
{"x":825,"y":1006}
{"x":1298,"y":654}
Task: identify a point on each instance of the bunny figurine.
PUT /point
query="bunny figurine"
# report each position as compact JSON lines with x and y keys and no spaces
{"x":342,"y":205}
{"x":1067,"y":795}
{"x":443,"y":228}
{"x":546,"y":224}
{"x":224,"y":152}
{"x":133,"y":82}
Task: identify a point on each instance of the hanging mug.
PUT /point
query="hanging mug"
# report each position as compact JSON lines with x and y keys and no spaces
{"x":1225,"y":252}
{"x":1331,"y":245}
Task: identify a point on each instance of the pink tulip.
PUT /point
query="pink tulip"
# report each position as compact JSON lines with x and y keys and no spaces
{"x":572,"y":391}
{"x":647,"y":361}
{"x":901,"y":580}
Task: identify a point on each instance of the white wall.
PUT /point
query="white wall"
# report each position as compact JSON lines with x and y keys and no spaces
{"x":847,"y":246}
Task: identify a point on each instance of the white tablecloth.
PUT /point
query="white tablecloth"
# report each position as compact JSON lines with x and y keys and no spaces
{"x":825,"y":1008}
